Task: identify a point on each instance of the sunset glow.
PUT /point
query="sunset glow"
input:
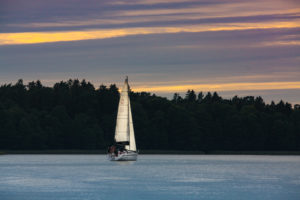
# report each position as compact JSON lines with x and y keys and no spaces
{"x":164,"y":46}
{"x":64,"y":36}
{"x":222,"y":87}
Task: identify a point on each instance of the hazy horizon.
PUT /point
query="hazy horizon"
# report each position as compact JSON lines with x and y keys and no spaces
{"x":266,"y":95}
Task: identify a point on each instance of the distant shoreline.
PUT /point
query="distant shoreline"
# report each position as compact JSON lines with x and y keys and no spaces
{"x":163,"y":152}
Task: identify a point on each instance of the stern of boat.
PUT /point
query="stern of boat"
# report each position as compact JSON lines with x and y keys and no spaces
{"x":123,"y":156}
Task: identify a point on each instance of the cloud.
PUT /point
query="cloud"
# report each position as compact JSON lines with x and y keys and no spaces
{"x":219,"y":10}
{"x":281,"y":43}
{"x":157,"y":20}
{"x":135,"y":16}
{"x":222,"y":87}
{"x":160,"y":44}
{"x":149,"y":2}
{"x":64,"y":36}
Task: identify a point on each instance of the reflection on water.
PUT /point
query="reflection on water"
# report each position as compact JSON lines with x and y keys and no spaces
{"x":89,"y":177}
{"x":123,"y":162}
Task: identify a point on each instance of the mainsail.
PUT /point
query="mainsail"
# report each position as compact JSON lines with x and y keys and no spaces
{"x":124,"y":127}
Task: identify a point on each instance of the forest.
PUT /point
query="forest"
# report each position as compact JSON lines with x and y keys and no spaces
{"x":74,"y":114}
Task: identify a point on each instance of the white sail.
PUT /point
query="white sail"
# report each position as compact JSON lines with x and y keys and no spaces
{"x":122,"y":126}
{"x":132,"y":145}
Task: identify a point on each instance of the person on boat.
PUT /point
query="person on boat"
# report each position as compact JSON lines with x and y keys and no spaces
{"x":112,"y":149}
{"x":115,"y":151}
{"x":122,"y":148}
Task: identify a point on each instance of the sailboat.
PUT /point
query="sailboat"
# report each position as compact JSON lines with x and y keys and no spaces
{"x":124,"y":148}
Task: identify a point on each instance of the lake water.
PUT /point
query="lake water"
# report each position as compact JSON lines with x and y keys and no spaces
{"x":159,"y":177}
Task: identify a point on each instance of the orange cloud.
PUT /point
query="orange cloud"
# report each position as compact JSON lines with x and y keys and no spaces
{"x":62,"y":36}
{"x":282,"y":43}
{"x":221,"y":87}
{"x":219,"y":10}
{"x":148,"y":2}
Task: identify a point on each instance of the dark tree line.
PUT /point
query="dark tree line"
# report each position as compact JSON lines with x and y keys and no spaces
{"x":76,"y":115}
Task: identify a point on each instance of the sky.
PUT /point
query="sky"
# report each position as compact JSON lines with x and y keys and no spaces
{"x":234,"y":47}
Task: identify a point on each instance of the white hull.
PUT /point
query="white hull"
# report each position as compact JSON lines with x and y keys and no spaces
{"x":125,"y":156}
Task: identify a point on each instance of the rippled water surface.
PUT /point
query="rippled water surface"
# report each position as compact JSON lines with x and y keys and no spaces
{"x":159,"y":177}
